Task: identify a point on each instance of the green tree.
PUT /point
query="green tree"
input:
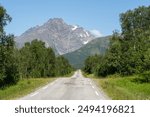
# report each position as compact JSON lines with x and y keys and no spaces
{"x":38,"y":61}
{"x":50,"y":60}
{"x":135,"y":32}
{"x":8,"y":66}
{"x":91,"y":63}
{"x":62,"y":66}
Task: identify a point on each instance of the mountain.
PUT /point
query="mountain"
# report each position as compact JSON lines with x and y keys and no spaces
{"x":62,"y":37}
{"x":96,"y":46}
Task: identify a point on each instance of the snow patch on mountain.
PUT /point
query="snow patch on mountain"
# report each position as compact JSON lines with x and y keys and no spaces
{"x":81,"y":35}
{"x":87,"y":33}
{"x":74,"y":27}
{"x":85,"y":42}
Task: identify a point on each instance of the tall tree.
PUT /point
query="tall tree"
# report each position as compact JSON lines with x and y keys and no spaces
{"x":8,"y":65}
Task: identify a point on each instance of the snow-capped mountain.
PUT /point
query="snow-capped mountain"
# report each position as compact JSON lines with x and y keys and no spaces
{"x":62,"y":37}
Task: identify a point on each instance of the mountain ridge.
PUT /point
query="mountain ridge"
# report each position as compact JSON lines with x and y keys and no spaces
{"x":62,"y":37}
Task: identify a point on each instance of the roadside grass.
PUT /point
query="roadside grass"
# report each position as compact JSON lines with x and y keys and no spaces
{"x":23,"y":87}
{"x":123,"y":88}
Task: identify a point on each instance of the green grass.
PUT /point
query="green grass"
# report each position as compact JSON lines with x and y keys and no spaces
{"x":23,"y":87}
{"x":124,"y":88}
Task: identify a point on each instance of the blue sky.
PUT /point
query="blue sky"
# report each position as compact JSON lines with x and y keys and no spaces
{"x":101,"y":16}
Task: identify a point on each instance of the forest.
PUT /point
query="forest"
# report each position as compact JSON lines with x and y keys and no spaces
{"x":33,"y":60}
{"x":129,"y":50}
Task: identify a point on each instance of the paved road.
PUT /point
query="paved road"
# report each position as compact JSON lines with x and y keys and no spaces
{"x":75,"y":88}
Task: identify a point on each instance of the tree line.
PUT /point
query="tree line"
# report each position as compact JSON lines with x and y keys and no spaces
{"x":129,"y":51}
{"x":33,"y":60}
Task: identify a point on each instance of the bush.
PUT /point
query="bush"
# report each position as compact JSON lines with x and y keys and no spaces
{"x":146,"y":76}
{"x":143,"y":78}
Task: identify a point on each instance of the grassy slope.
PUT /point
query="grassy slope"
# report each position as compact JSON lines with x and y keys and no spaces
{"x":23,"y":87}
{"x":123,"y":88}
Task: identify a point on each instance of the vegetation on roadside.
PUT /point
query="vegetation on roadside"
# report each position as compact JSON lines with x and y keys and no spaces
{"x":70,"y":74}
{"x":129,"y":51}
{"x":34,"y":60}
{"x":128,"y":56}
{"x":23,"y":87}
{"x":124,"y":88}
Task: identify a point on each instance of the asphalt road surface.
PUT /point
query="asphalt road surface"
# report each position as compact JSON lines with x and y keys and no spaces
{"x":75,"y":88}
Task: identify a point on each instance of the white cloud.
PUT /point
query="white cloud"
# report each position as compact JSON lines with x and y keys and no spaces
{"x":96,"y":33}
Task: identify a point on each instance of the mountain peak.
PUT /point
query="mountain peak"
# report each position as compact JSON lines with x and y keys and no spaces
{"x":62,"y":37}
{"x":56,"y":20}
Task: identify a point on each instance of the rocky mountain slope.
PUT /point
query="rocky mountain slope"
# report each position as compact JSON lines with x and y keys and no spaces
{"x":62,"y":37}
